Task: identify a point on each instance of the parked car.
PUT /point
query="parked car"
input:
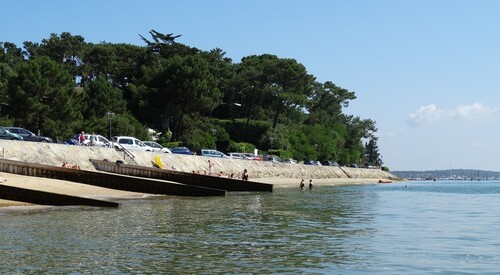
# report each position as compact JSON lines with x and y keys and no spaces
{"x":130,"y":143}
{"x":180,"y":150}
{"x":6,"y":134}
{"x":272,"y":158}
{"x":288,"y":160}
{"x":27,"y":135}
{"x":329,"y":163}
{"x":211,"y":153}
{"x":252,"y":156}
{"x":157,"y":147}
{"x":237,"y":155}
{"x":100,"y":142}
{"x":312,"y":162}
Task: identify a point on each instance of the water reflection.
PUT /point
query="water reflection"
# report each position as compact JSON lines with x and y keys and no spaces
{"x":286,"y":231}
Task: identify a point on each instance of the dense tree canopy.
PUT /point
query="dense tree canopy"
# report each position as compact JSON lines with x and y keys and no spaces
{"x":63,"y":85}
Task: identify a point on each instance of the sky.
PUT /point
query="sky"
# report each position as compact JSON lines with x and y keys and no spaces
{"x":426,"y":71}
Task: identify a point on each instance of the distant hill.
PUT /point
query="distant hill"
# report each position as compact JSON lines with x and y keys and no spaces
{"x":452,"y":174}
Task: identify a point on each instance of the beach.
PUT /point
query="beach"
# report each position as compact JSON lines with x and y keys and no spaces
{"x":279,"y":174}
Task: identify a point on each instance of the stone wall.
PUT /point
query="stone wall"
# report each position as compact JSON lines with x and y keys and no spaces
{"x":55,"y":154}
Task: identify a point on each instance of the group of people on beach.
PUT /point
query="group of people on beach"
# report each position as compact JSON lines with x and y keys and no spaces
{"x":303,"y":185}
{"x":242,"y":176}
{"x":92,"y":142}
{"x":69,"y":165}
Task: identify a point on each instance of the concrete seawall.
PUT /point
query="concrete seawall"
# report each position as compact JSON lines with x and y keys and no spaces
{"x":55,"y":154}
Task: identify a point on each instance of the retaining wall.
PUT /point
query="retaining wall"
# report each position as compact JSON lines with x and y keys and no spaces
{"x":55,"y":154}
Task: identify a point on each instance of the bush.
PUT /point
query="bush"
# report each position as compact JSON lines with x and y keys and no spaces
{"x":242,"y":147}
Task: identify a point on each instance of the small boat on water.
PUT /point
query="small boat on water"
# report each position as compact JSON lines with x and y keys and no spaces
{"x":385,"y":181}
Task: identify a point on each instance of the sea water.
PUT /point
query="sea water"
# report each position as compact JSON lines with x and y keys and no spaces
{"x":401,"y":228}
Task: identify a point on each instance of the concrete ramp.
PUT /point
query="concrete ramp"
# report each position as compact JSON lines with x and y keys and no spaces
{"x":46,"y":198}
{"x":107,"y":180}
{"x":227,"y":184}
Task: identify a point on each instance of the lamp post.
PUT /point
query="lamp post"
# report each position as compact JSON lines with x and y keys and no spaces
{"x":110,"y":118}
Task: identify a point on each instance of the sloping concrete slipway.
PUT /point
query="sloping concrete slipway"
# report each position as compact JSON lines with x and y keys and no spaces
{"x":56,"y":154}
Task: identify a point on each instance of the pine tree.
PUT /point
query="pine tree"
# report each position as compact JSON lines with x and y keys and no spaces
{"x":371,"y":152}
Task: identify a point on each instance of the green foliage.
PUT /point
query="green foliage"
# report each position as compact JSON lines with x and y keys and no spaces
{"x":371,"y":152}
{"x":101,"y":97}
{"x":275,"y":138}
{"x":250,"y":132}
{"x":242,"y":147}
{"x":64,"y":85}
{"x":183,"y":87}
{"x":43,"y":98}
{"x":282,"y":154}
{"x":127,"y":125}
{"x":165,"y":138}
{"x":6,"y":121}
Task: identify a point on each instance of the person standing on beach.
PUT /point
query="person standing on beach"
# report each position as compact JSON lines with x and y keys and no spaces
{"x":302,"y":184}
{"x":245,"y":175}
{"x":210,"y":166}
{"x":93,"y":139}
{"x":81,"y":138}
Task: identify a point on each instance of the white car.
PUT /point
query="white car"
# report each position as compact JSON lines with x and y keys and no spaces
{"x":130,"y":143}
{"x":157,"y":147}
{"x":101,"y":141}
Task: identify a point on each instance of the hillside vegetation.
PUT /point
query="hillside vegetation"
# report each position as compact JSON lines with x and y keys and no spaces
{"x":63,"y":85}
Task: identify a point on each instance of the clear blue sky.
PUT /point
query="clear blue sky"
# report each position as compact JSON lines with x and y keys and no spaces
{"x":426,"y":71}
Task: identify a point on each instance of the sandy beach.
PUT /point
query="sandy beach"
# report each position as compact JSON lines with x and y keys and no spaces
{"x":89,"y":191}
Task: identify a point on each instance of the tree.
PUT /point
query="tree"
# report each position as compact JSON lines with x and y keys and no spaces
{"x":372,"y":153}
{"x":10,"y":54}
{"x":272,"y":86}
{"x":43,"y":97}
{"x":327,"y":101}
{"x":166,"y":46}
{"x":51,"y":86}
{"x":289,"y":86}
{"x":357,"y":129}
{"x":65,"y":49}
{"x":184,"y":86}
{"x":101,"y":97}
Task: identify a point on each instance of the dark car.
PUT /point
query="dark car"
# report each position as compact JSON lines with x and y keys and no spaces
{"x":312,"y":162}
{"x":27,"y":135}
{"x":180,"y":150}
{"x":329,"y":163}
{"x":5,"y":134}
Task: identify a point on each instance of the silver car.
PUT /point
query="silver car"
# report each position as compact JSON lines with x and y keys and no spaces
{"x":157,"y":147}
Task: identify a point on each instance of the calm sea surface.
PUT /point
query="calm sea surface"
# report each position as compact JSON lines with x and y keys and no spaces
{"x":426,"y":228}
